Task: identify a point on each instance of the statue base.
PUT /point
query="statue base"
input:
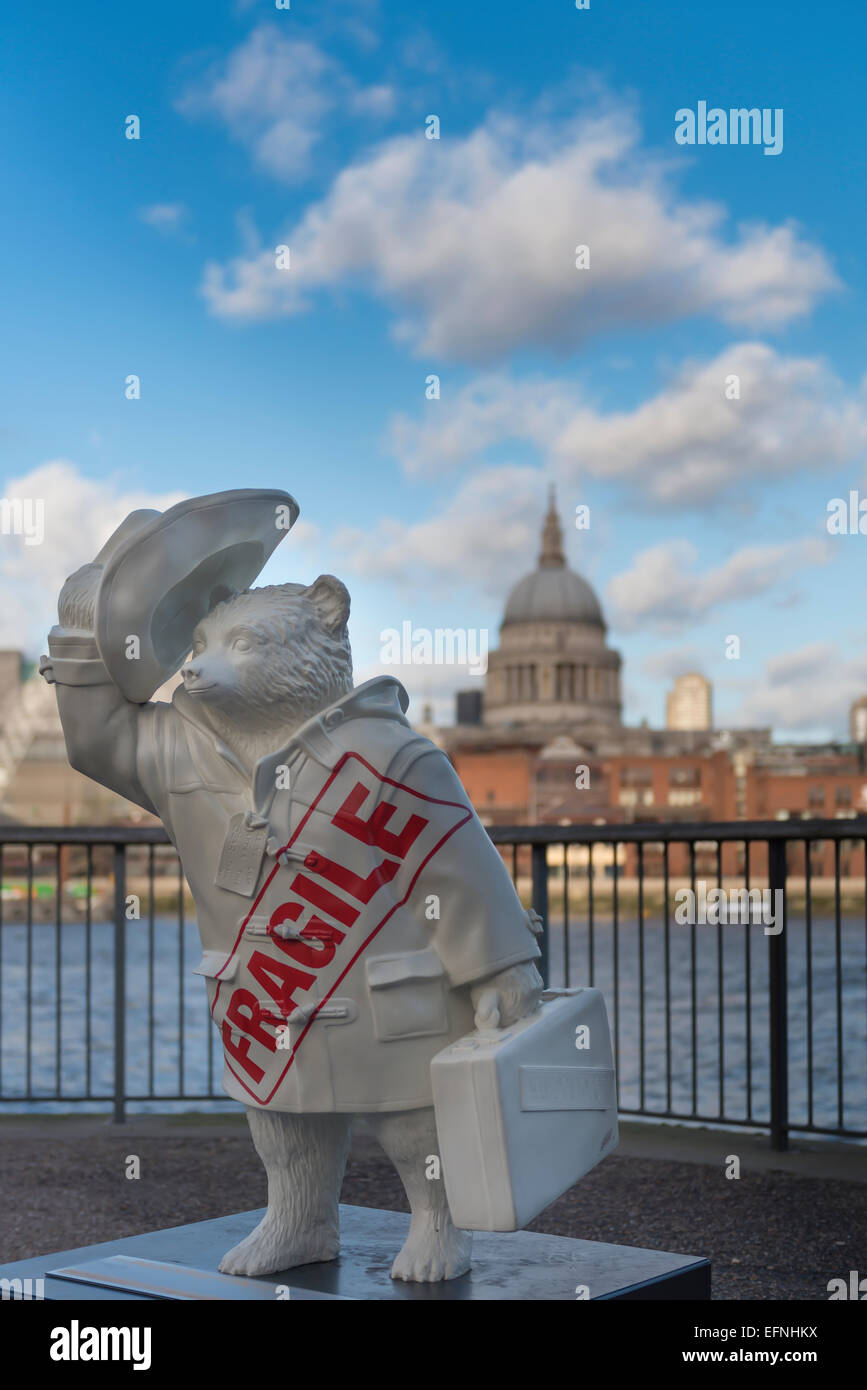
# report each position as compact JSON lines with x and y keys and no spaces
{"x":520,"y":1266}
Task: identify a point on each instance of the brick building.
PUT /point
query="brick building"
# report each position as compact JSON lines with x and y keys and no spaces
{"x":547,"y":747}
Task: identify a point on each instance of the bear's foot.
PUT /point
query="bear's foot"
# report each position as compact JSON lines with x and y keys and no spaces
{"x":275,"y":1245}
{"x":434,"y":1250}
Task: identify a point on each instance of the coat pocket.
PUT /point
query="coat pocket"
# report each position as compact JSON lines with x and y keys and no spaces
{"x":408,"y":995}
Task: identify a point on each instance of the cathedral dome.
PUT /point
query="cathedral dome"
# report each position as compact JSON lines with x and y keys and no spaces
{"x":552,"y":593}
{"x":553,"y":667}
{"x":559,"y":596}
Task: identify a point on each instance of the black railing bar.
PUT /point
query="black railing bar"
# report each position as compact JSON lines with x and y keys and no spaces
{"x":680,"y":832}
{"x":726,"y":1121}
{"x":108,"y":1100}
{"x":151,"y":957}
{"x":778,"y":1004}
{"x":58,"y":903}
{"x":566,"y":971}
{"x":119,"y":870}
{"x":693,"y":989}
{"x":748,"y":970}
{"x":539,"y":890}
{"x":88,"y":962}
{"x":808,"y":906}
{"x":84,"y":835}
{"x":661,"y":831}
{"x":667,"y":947}
{"x":1,"y":966}
{"x":180,"y":977}
{"x":719,"y":1121}
{"x":29,"y":1029}
{"x":616,"y":948}
{"x":591,"y":952}
{"x":838,"y":949}
{"x":641,"y":1000}
{"x":720,"y":975}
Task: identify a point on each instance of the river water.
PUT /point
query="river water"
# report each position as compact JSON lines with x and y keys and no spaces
{"x":184,"y":1055}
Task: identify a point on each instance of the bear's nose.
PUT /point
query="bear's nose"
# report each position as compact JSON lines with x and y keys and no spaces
{"x":189,"y":671}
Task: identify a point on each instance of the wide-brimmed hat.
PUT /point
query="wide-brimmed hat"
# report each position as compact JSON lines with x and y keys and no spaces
{"x":165,"y":570}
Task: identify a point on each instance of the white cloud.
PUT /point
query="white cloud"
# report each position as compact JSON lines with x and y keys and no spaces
{"x":375,"y":101}
{"x":296,"y":559}
{"x":485,"y":537}
{"x":165,"y":217}
{"x":684,"y":446}
{"x":79,"y":515}
{"x":662,"y":589}
{"x":472,"y":240}
{"x":491,"y":409}
{"x":690,"y":444}
{"x":807,"y":691}
{"x":275,"y":93}
{"x":672,"y":662}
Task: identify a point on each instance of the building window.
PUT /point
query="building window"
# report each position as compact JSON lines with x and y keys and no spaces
{"x":636,"y":777}
{"x":686,"y":796}
{"x":632,"y":796}
{"x":843,"y":796}
{"x":817,"y":796}
{"x":684,"y":777}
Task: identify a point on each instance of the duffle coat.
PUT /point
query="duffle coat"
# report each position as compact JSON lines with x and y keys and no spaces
{"x":347,"y":896}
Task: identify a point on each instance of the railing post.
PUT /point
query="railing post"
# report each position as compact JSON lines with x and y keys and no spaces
{"x":779,"y":1005}
{"x":119,"y":983}
{"x":540,"y":903}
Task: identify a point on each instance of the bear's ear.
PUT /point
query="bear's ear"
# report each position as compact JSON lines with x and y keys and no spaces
{"x":219,"y":595}
{"x":330,"y":598}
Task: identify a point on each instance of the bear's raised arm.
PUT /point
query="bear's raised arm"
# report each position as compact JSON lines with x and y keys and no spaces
{"x":101,"y":727}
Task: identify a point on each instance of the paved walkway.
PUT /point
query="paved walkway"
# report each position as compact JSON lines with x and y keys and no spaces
{"x":789,"y":1224}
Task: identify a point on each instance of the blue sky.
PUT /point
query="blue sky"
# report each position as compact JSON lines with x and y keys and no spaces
{"x":262,"y":127}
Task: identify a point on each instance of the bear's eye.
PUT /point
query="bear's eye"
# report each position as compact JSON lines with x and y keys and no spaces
{"x":198,"y":646}
{"x":241,"y":644}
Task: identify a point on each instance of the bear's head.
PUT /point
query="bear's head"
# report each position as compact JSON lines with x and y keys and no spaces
{"x":265,"y":660}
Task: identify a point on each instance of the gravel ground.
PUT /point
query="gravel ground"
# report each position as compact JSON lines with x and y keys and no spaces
{"x":769,"y":1235}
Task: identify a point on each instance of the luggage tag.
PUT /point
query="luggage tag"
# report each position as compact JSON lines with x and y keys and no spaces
{"x":242,"y":854}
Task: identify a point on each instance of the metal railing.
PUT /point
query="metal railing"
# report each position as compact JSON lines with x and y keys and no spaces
{"x":763,"y":1020}
{"x":731,"y":1024}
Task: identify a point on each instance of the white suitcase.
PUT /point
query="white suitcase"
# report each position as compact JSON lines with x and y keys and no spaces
{"x":523,"y":1112}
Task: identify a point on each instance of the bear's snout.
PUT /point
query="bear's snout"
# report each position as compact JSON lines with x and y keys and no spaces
{"x":194,"y":677}
{"x":210,"y":671}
